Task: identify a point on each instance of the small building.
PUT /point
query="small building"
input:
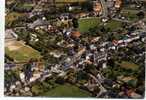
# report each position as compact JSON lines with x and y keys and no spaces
{"x":75,"y":34}
{"x":118,"y":3}
{"x":97,"y":8}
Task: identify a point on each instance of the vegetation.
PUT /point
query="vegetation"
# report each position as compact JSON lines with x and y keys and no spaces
{"x":12,"y":18}
{"x":86,"y":24}
{"x":22,"y":52}
{"x":130,"y":14}
{"x":66,"y":90}
{"x":24,"y":7}
{"x":129,"y":65}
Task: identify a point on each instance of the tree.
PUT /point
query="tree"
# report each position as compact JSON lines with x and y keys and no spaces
{"x":60,"y":80}
{"x":75,"y":23}
{"x":88,"y":5}
{"x":96,"y":91}
{"x":124,"y":24}
{"x":27,"y":38}
{"x":111,"y":62}
{"x":140,"y":15}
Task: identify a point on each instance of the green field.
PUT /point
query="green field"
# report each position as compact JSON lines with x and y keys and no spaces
{"x":113,"y":24}
{"x":130,"y":14}
{"x":21,"y":53}
{"x":27,"y":6}
{"x":86,"y":24}
{"x":129,"y":65}
{"x":66,"y":90}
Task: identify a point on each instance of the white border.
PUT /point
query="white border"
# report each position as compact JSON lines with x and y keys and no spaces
{"x":2,"y":31}
{"x":2,"y":21}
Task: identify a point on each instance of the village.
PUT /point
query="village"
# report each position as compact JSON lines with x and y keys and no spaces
{"x":75,"y":48}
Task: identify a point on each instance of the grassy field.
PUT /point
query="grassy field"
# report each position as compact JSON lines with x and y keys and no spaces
{"x":66,"y":90}
{"x":25,"y":6}
{"x":130,"y":14}
{"x":20,"y":52}
{"x":86,"y":24}
{"x":129,"y":65}
{"x":113,"y":24}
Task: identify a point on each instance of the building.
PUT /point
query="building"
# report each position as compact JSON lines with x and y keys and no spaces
{"x":97,"y":8}
{"x":118,"y":3}
{"x":75,"y":34}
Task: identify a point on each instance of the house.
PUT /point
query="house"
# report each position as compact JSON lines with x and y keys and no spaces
{"x":115,"y":42}
{"x":56,"y":54}
{"x":34,"y":38}
{"x":97,"y":8}
{"x":131,"y":93}
{"x":118,"y":3}
{"x":135,"y":95}
{"x":92,"y":47}
{"x":82,"y":15}
{"x":88,"y":62}
{"x":95,"y":39}
{"x":75,"y":34}
{"x":22,"y":77}
{"x":38,"y":23}
{"x":10,"y":35}
{"x":72,"y":8}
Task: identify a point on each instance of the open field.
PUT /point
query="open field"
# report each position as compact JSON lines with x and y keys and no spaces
{"x":66,"y":90}
{"x":86,"y":24}
{"x":130,"y":14}
{"x":27,"y":6}
{"x":129,"y":65}
{"x":20,"y":52}
{"x":113,"y":24}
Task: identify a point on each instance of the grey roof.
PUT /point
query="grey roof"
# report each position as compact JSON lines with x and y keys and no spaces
{"x":38,"y":22}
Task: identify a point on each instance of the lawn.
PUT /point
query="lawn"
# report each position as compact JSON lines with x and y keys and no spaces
{"x":26,"y":6}
{"x":112,"y":24}
{"x":66,"y":90}
{"x":86,"y":24}
{"x":20,"y":52}
{"x":130,"y":14}
{"x":129,"y":65}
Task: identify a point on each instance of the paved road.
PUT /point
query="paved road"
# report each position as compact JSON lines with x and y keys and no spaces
{"x":120,"y":20}
{"x":102,"y":89}
{"x":104,"y":7}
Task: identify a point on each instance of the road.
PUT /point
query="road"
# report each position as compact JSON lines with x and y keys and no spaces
{"x":120,"y":20}
{"x":38,"y":4}
{"x":104,"y":7}
{"x":102,"y":89}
